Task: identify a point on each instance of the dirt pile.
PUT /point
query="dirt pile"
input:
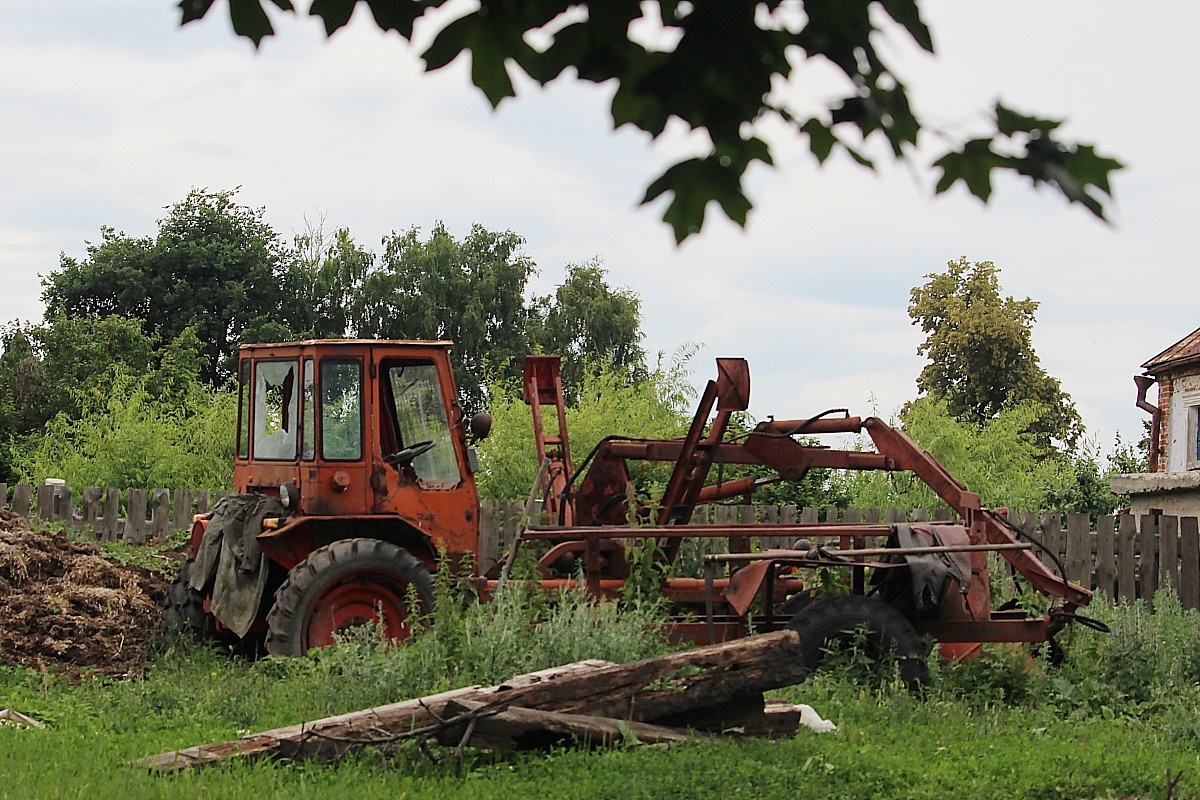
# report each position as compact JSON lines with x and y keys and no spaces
{"x":63,"y":607}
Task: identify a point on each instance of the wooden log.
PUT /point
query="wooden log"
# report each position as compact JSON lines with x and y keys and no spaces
{"x":519,"y":728}
{"x":330,"y":737}
{"x":591,"y":688}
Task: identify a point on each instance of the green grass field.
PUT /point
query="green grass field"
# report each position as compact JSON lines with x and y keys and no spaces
{"x":1109,"y":723}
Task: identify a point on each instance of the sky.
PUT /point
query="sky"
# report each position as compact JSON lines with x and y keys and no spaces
{"x":111,"y":112}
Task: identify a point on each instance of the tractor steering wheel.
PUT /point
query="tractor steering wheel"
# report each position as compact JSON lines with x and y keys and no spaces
{"x":404,"y":457}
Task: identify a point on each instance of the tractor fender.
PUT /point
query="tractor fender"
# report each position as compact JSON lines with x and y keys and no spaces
{"x":293,"y":541}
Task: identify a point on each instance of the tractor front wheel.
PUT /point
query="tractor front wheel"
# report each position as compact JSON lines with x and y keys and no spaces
{"x":865,"y":626}
{"x":342,"y":585}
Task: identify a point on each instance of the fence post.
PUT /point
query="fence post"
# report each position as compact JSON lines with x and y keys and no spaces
{"x":1127,"y":558}
{"x":91,"y":504}
{"x":1168,"y":549}
{"x":489,"y":535}
{"x":1106,"y":556}
{"x":1050,"y":532}
{"x":181,"y":510}
{"x":1147,"y":545}
{"x":22,"y":501}
{"x":135,"y":516}
{"x":1078,"y":561}
{"x":920,"y":515}
{"x":1189,"y":562}
{"x":110,"y":525}
{"x":160,"y":513}
{"x":201,"y":499}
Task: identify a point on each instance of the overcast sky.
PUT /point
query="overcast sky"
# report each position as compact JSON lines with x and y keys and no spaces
{"x":110,"y":112}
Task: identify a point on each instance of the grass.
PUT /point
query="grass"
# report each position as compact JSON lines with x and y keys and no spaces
{"x":1110,"y":722}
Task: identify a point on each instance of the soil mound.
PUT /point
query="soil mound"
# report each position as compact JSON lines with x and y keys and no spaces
{"x":65,"y":608}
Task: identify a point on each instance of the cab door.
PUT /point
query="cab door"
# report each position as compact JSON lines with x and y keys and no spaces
{"x":336,"y":471}
{"x":425,"y":478}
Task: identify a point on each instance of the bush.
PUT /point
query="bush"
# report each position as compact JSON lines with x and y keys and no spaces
{"x":130,"y":437}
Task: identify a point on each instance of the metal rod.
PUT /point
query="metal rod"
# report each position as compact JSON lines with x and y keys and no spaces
{"x":802,"y":555}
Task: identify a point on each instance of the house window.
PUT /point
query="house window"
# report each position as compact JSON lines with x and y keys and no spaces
{"x":1193,"y":437}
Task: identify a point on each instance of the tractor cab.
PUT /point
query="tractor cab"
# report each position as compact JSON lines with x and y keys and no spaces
{"x":353,"y":433}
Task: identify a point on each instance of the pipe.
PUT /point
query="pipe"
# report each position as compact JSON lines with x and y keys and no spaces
{"x":1144,"y":382}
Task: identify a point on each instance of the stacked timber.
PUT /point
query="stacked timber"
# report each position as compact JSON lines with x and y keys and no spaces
{"x":707,"y":691}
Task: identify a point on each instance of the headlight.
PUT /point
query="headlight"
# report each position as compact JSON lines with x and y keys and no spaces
{"x":289,"y":495}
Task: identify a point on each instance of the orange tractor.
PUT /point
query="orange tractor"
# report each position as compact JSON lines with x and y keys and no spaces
{"x":354,"y":475}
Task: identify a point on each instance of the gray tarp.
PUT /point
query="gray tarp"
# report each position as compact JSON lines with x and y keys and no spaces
{"x":929,"y":571}
{"x":229,"y":558}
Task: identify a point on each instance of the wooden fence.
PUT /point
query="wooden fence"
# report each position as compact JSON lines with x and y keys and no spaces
{"x":1124,"y":556}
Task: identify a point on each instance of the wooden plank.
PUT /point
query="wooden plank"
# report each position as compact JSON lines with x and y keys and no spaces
{"x":809,"y":516}
{"x":45,"y":502}
{"x":91,"y":509}
{"x":894,"y":516}
{"x":942,"y":514}
{"x":873,"y":516}
{"x":519,"y":728}
{"x":853,"y":515}
{"x":22,"y":501}
{"x":1189,"y":562}
{"x":831,"y":514}
{"x":920,"y":515}
{"x":1050,"y":534}
{"x":135,"y":517}
{"x":489,"y":535}
{"x":200,"y":498}
{"x":1078,"y":549}
{"x":110,"y":524}
{"x":1168,"y":551}
{"x":1127,"y":578}
{"x":514,"y":521}
{"x":181,"y":510}
{"x":160,"y":513}
{"x":1106,"y":556}
{"x":722,"y":671}
{"x":1147,"y":549}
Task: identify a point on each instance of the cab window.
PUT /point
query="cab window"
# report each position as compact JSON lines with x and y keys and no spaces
{"x":420,"y":416}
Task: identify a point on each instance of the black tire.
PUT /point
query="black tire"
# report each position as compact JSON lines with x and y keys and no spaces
{"x":341,"y":585}
{"x":839,"y":619}
{"x":183,"y":611}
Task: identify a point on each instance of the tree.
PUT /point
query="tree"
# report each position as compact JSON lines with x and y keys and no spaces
{"x":980,"y":350}
{"x":585,"y":320}
{"x":718,"y":77}
{"x":469,"y":291}
{"x":214,"y":264}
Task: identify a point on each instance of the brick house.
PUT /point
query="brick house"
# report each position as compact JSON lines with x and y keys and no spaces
{"x":1172,"y":486}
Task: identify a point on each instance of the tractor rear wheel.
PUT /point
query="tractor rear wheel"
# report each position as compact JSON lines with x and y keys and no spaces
{"x":342,"y":585}
{"x":855,"y":620}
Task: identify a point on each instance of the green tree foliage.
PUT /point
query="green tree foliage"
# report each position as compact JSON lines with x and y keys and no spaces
{"x":131,"y":436}
{"x":469,"y":291}
{"x":474,"y":292}
{"x":607,"y":404}
{"x":980,"y":351}
{"x":713,"y":66}
{"x":214,"y":264}
{"x":585,"y":320}
{"x":1000,"y":459}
